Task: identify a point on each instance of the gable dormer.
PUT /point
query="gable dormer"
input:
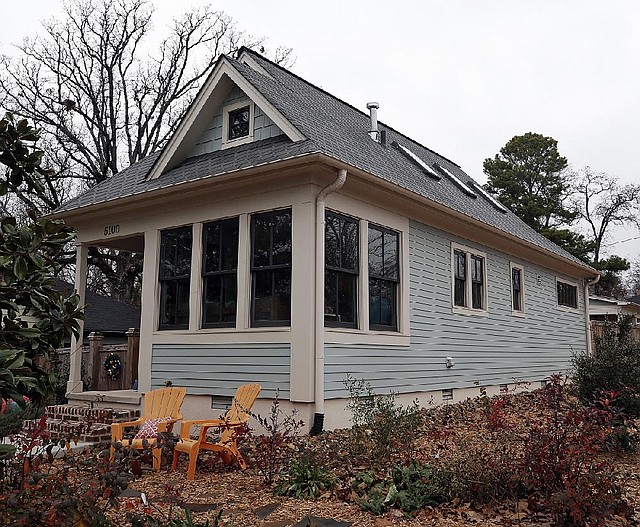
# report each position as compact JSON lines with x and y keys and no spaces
{"x":238,"y":121}
{"x":228,"y":111}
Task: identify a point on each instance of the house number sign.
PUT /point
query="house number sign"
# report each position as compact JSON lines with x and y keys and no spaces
{"x":111,"y":230}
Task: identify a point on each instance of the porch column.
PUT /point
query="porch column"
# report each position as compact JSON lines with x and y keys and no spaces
{"x":74,"y":384}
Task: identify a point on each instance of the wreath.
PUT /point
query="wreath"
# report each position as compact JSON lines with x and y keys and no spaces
{"x":112,"y":366}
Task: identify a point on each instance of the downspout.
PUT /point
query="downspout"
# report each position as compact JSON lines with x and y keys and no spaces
{"x":318,"y":417}
{"x":587,"y":284}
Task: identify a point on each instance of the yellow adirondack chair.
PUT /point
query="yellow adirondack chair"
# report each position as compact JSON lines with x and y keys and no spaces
{"x":226,"y":445}
{"x":161,"y":411}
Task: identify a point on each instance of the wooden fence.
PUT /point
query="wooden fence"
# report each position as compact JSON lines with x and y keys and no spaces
{"x":598,"y":328}
{"x":94,"y":353}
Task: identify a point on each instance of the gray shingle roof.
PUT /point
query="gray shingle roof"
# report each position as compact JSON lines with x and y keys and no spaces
{"x":332,"y":127}
{"x":104,"y":314}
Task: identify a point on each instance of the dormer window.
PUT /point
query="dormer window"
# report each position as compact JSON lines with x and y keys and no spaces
{"x":237,"y":123}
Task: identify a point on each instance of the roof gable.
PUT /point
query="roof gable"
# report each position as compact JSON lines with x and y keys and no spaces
{"x":222,"y":81}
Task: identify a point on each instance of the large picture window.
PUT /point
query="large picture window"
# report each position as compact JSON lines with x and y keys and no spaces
{"x":567,"y":294}
{"x":341,"y":270}
{"x":384,"y":276}
{"x":271,"y":268}
{"x":219,"y":273}
{"x":174,"y":276}
{"x":469,"y":290}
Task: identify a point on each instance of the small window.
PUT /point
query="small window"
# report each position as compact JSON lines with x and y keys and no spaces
{"x":384,"y":277}
{"x":239,"y":123}
{"x":219,"y":273}
{"x":460,"y":279}
{"x":341,"y":270}
{"x":174,"y":277}
{"x":469,"y":290}
{"x":567,"y":294}
{"x":517,"y":288}
{"x":271,"y":268}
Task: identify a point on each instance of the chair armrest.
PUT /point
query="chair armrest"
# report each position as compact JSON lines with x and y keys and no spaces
{"x":117,"y":429}
{"x":205,"y":424}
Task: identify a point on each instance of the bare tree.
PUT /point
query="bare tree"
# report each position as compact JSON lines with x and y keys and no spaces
{"x":603,"y":202}
{"x":105,"y":95}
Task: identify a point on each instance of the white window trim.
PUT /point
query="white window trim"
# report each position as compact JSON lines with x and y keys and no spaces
{"x":523,"y":303}
{"x":468,"y":310}
{"x":571,"y":283}
{"x":226,"y":143}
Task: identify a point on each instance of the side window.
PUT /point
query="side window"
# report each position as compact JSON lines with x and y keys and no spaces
{"x":341,"y":270}
{"x":384,"y":277}
{"x":517,"y":288}
{"x":219,"y":273}
{"x":271,"y":268}
{"x":174,"y":276}
{"x":567,"y":294}
{"x":469,"y":288}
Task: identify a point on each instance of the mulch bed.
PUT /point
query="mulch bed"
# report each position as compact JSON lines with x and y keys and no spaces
{"x":246,"y":501}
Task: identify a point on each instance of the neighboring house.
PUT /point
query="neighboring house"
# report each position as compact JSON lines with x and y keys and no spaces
{"x":105,"y":315}
{"x":604,"y":309}
{"x":290,"y":239}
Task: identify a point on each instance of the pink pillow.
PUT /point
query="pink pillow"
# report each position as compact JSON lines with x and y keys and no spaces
{"x":149,"y":430}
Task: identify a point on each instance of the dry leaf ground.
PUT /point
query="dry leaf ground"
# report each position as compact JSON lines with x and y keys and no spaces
{"x":245,"y":500}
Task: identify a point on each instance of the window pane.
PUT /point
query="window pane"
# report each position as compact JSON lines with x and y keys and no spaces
{"x":331,"y":296}
{"x":391,"y":268}
{"x":175,"y":252}
{"x":229,"y":298}
{"x":261,"y":242}
{"x":272,"y":296}
{"x":476,"y":269}
{"x":476,"y":295}
{"x":516,"y":285}
{"x":281,"y":238}
{"x":567,"y":295}
{"x":349,"y":250}
{"x":229,"y":250}
{"x":347,"y":298}
{"x":239,"y":123}
{"x":460,"y":265}
{"x":382,"y":302}
{"x":460,"y":296}
{"x":332,"y":241}
{"x":375,"y":252}
{"x":212,"y":257}
{"x":174,"y":303}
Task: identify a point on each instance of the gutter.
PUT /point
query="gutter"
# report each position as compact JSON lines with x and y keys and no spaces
{"x":587,"y":284}
{"x":318,"y":417}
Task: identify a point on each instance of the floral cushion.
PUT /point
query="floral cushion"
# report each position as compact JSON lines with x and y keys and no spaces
{"x":149,"y":429}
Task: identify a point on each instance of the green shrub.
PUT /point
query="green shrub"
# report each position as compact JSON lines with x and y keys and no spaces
{"x":307,"y":477}
{"x":380,"y":425}
{"x":614,"y":366}
{"x":408,"y":488}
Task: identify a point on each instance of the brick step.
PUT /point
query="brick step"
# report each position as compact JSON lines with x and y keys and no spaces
{"x":81,"y":423}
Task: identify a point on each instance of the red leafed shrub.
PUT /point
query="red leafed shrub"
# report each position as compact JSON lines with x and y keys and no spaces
{"x":560,"y":466}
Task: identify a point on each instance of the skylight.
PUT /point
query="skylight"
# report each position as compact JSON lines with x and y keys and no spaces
{"x":456,"y":180}
{"x":489,"y":197}
{"x":413,"y":157}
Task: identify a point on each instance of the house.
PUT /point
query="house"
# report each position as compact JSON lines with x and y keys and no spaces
{"x":605,"y":309}
{"x":291,"y":239}
{"x":104,"y":315}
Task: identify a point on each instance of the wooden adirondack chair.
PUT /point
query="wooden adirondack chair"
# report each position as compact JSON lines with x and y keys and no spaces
{"x":161,"y":411}
{"x":226,"y":445}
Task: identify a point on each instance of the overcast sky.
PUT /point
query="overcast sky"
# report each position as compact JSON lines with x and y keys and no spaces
{"x":460,"y":77}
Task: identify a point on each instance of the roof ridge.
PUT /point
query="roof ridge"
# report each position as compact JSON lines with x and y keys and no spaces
{"x":262,"y":57}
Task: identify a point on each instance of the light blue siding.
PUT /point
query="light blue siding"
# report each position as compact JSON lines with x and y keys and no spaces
{"x":490,"y":349}
{"x":212,"y":369}
{"x":211,"y":140}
